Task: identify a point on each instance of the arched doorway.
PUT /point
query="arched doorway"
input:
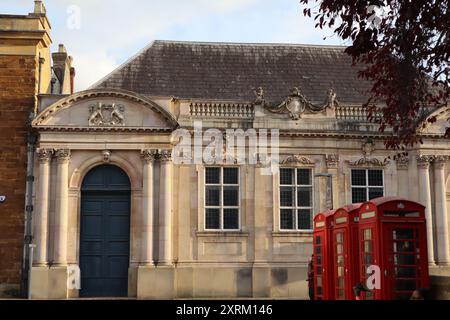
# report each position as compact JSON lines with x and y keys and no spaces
{"x":105,"y":232}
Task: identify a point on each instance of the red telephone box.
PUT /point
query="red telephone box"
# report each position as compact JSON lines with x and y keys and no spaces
{"x":345,"y":251}
{"x":392,"y":236}
{"x":322,"y":257}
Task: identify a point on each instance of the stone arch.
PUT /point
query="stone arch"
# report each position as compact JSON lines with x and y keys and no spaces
{"x":78,"y":175}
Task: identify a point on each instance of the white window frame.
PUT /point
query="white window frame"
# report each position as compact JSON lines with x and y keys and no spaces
{"x":221,"y":207}
{"x":296,"y":207}
{"x":367,"y":186}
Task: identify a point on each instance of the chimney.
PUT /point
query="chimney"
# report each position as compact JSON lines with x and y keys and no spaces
{"x":62,"y":67}
{"x":39,"y":7}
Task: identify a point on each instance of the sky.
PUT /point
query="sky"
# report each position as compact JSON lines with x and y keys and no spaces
{"x":103,"y":34}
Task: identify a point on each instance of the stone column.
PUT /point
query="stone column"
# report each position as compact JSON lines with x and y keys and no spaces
{"x":332,"y":161}
{"x":423,"y":164}
{"x":441,"y":211}
{"x":165,"y":208}
{"x":42,"y":204}
{"x":61,"y":210}
{"x":147,"y":207}
{"x":402,"y":176}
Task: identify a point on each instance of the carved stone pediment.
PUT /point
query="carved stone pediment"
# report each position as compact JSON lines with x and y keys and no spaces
{"x":369,"y":162}
{"x":296,"y":104}
{"x":106,"y":115}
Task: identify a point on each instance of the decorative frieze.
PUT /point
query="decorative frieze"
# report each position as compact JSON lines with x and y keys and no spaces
{"x":63,"y":155}
{"x":369,"y":162}
{"x":45,"y":155}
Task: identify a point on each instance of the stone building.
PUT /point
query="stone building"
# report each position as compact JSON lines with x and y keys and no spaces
{"x":116,"y":213}
{"x":26,"y":74}
{"x":111,"y":200}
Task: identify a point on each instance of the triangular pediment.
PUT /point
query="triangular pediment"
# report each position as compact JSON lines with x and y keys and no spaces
{"x":105,"y":110}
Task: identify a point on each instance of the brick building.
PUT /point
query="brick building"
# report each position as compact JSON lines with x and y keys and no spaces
{"x":25,"y":75}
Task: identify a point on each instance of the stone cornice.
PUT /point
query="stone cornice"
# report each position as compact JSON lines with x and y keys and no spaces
{"x":102,"y":129}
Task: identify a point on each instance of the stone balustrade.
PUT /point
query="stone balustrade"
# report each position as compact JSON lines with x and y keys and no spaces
{"x":222,"y":110}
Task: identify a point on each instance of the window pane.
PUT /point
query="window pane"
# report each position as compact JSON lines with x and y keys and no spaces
{"x":212,"y":175}
{"x":359,"y":195}
{"x":375,"y":177}
{"x":231,"y":219}
{"x":231,"y":196}
{"x":230,"y":175}
{"x":304,"y":197}
{"x":358,"y":177}
{"x":287,"y":176}
{"x":286,"y":219}
{"x":304,"y":177}
{"x":375,"y":193}
{"x":287,"y":196}
{"x":212,"y":195}
{"x":212,"y":219}
{"x":304,"y":220}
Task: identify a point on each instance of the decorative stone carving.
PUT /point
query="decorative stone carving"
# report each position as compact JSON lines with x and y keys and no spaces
{"x":149,"y":155}
{"x":165,"y":155}
{"x":106,"y":115}
{"x":332,"y":160}
{"x":106,"y":156}
{"x":402,"y":162}
{"x":423,"y":161}
{"x":368,"y":147}
{"x":45,"y":155}
{"x":440,"y":161}
{"x":369,"y":162}
{"x":298,"y":160}
{"x":296,"y":104}
{"x":63,"y":155}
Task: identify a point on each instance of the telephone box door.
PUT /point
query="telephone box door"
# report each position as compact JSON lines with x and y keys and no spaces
{"x":402,"y":257}
{"x":341,"y":260}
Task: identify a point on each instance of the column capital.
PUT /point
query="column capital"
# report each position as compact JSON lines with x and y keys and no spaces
{"x":165,"y":155}
{"x":45,"y":155}
{"x":63,"y":155}
{"x":440,"y":161}
{"x":423,"y":161}
{"x":149,"y":155}
{"x":403,"y":162}
{"x":332,"y":161}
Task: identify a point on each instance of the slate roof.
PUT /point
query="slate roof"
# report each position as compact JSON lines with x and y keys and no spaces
{"x":231,"y":71}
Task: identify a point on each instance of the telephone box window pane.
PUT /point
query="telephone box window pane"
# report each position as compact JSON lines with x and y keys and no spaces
{"x":287,"y":177}
{"x":304,"y":177}
{"x":212,"y":196}
{"x":287,"y":219}
{"x":319,"y":260}
{"x":368,"y":260}
{"x":359,"y":178}
{"x":375,"y":193}
{"x":375,"y":178}
{"x":304,"y":219}
{"x":287,"y":196}
{"x":318,"y":239}
{"x":231,"y":196}
{"x":367,"y":234}
{"x":406,"y":272}
{"x":359,"y":195}
{"x":339,"y":237}
{"x":339,"y":249}
{"x":319,"y":270}
{"x":399,"y":234}
{"x":212,"y":219}
{"x":318,"y":250}
{"x":231,"y":219}
{"x":368,"y":246}
{"x":212,"y":175}
{"x":319,"y":281}
{"x":230,"y":175}
{"x":304,"y":197}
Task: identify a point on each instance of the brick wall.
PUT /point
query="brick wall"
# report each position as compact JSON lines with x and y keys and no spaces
{"x":17,"y":96}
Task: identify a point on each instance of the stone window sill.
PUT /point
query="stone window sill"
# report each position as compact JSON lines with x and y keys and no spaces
{"x":222,"y":234}
{"x":278,"y":234}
